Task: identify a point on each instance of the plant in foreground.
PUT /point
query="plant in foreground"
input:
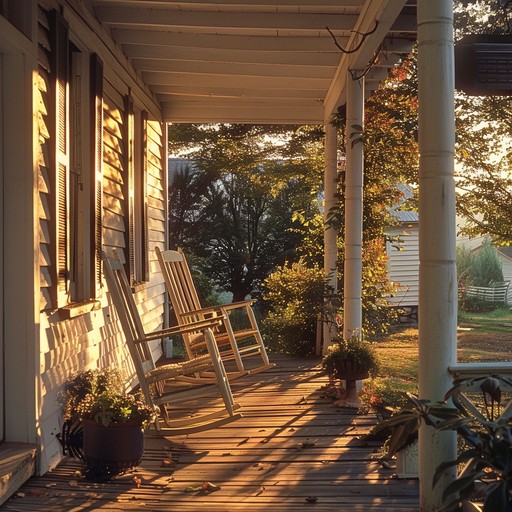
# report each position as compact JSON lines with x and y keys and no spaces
{"x":486,"y":458}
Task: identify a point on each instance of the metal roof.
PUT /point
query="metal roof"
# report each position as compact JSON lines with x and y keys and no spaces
{"x":257,"y":61}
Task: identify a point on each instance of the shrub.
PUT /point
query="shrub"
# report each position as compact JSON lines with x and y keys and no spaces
{"x":477,"y":305}
{"x":486,"y":267}
{"x":481,"y":268}
{"x":294,"y":295}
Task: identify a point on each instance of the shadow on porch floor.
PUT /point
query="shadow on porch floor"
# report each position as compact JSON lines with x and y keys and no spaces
{"x":291,"y":451}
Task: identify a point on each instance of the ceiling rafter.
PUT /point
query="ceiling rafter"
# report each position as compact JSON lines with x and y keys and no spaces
{"x":256,"y":60}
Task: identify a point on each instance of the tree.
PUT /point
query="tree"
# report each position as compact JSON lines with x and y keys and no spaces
{"x":235,"y":207}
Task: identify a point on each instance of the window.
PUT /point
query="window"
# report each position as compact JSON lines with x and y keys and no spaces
{"x":136,"y":192}
{"x":77,"y":169}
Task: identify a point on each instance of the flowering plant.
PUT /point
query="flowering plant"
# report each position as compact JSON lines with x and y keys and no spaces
{"x":99,"y":395}
{"x":360,"y":353}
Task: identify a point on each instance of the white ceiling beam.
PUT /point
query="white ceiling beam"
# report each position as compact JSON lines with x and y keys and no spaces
{"x":242,"y":21}
{"x":272,"y":3}
{"x":264,"y":113}
{"x":184,"y":79}
{"x":229,"y":69}
{"x":306,"y":58}
{"x":231,"y":92}
{"x":228,"y":42}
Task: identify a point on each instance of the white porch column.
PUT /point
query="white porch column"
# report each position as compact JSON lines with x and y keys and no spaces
{"x":353,"y":274}
{"x":330,"y":234}
{"x":438,"y":275}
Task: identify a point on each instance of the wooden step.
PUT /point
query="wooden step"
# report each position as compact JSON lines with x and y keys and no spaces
{"x":17,"y":465}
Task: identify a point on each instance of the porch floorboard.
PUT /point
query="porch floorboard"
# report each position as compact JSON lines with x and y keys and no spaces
{"x":290,"y":446}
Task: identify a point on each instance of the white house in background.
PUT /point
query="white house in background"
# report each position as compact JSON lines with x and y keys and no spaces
{"x":403,"y":260}
{"x":403,"y":257}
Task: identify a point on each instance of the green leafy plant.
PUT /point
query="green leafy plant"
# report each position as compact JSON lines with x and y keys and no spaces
{"x":294,"y":295}
{"x":385,"y":395}
{"x":486,"y":431}
{"x":99,"y":395}
{"x":359,"y":353}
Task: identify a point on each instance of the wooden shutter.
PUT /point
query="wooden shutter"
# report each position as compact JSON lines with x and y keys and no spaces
{"x":129,"y":219}
{"x":96,"y":211}
{"x":59,"y":132}
{"x":143,"y":197}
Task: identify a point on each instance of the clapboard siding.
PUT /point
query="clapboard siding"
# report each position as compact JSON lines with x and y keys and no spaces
{"x":506,"y":263}
{"x":403,"y":266}
{"x":94,"y":339}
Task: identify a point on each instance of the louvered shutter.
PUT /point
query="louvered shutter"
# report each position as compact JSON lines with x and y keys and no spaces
{"x":128,"y":138}
{"x":96,"y":89}
{"x":60,"y":64}
{"x":143,"y":195}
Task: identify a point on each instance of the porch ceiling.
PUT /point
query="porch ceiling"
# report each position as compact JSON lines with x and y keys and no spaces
{"x":256,"y":61}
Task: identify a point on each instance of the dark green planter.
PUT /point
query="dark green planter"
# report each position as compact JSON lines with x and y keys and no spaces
{"x":347,"y":370}
{"x":112,"y":450}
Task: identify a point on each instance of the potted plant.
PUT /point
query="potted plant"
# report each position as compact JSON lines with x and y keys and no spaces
{"x":350,"y":360}
{"x":486,"y":431}
{"x":112,"y":421}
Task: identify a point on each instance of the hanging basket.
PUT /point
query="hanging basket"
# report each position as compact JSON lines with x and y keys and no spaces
{"x":111,"y":450}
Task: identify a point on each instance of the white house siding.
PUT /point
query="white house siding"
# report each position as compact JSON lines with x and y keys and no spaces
{"x":403,"y":265}
{"x":93,"y":339}
{"x":506,"y":262}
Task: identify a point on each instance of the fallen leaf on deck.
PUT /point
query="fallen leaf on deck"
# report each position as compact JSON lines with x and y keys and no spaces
{"x":225,"y":454}
{"x":243,"y":441}
{"x":91,"y":495}
{"x":137,"y":481}
{"x":261,"y":490}
{"x":166,"y":463}
{"x":51,"y":484}
{"x":306,"y":444}
{"x":193,"y":489}
{"x":73,"y":483}
{"x":208,"y":487}
{"x":311,"y":499}
{"x":266,"y":440}
{"x":20,"y":494}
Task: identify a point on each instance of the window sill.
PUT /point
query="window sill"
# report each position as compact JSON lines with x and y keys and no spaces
{"x":76,"y":309}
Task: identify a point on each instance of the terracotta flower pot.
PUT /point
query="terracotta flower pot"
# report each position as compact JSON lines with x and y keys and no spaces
{"x":111,"y":450}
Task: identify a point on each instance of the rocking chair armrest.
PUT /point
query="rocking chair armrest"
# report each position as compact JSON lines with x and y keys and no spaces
{"x":217,"y":310}
{"x":237,"y":305}
{"x":200,"y":325}
{"x":209,"y":310}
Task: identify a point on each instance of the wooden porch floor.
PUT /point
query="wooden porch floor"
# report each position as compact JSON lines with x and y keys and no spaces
{"x":290,"y":446}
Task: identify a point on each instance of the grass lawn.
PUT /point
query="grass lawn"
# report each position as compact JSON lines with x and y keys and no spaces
{"x":480,"y":337}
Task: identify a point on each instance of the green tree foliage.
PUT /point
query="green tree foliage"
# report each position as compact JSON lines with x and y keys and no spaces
{"x":294,"y":296}
{"x":233,"y":205}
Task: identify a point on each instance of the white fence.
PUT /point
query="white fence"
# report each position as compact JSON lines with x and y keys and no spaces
{"x":498,"y":293}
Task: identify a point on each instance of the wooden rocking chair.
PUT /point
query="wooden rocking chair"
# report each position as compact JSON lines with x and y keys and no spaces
{"x":235,"y":344}
{"x":166,"y":385}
